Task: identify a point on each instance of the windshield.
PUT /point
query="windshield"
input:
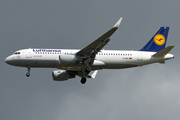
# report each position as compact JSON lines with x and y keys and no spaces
{"x":17,"y":53}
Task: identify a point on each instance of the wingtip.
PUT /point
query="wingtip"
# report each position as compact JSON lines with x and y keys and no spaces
{"x":118,"y":23}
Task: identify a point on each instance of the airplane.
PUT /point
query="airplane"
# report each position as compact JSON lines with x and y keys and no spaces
{"x":73,"y":62}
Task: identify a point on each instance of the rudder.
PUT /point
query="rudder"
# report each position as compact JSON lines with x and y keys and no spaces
{"x":158,"y":41}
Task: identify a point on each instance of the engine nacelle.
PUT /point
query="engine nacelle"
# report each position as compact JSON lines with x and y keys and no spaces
{"x":60,"y":75}
{"x":69,"y":59}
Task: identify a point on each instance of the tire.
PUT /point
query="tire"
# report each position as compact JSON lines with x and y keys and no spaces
{"x":83,"y":80}
{"x":27,"y":74}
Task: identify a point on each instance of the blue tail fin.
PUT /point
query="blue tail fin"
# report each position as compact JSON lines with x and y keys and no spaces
{"x":158,"y":41}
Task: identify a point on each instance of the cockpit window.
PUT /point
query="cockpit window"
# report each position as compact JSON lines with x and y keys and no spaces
{"x":17,"y":53}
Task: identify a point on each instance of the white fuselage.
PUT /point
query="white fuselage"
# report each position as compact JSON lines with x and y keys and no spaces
{"x":106,"y":59}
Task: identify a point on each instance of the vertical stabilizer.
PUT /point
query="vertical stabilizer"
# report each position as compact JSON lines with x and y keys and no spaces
{"x":158,"y":41}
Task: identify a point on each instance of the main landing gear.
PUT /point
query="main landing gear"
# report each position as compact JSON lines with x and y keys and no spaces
{"x":28,"y":73}
{"x":83,"y":80}
{"x":88,"y":69}
{"x":85,"y":73}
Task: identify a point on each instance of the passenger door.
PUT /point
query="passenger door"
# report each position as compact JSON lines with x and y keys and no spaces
{"x":28,"y":53}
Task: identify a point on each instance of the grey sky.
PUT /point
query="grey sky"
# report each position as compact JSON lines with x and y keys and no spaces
{"x":148,"y":92}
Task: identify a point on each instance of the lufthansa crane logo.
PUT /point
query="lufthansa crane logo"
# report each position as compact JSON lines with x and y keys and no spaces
{"x":159,"y":39}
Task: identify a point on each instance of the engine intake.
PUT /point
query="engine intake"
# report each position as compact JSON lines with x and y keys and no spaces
{"x":61,"y":75}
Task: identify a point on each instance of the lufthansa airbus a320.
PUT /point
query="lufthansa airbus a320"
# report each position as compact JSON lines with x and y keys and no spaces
{"x":74,"y":62}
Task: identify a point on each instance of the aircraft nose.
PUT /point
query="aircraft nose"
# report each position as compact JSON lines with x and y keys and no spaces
{"x":8,"y":60}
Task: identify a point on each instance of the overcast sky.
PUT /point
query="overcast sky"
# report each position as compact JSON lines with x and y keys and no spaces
{"x":143,"y":93}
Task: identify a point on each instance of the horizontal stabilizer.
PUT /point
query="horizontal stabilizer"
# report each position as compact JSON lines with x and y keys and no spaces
{"x":163,"y":52}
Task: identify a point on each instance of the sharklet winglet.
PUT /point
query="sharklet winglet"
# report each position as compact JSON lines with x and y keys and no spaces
{"x":118,"y":23}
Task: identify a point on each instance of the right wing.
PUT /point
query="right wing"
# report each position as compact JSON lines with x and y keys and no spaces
{"x":90,"y":51}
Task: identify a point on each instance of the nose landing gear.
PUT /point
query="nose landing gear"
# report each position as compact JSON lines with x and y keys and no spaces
{"x":28,"y":73}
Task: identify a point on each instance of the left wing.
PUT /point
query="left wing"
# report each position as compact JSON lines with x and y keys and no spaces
{"x":90,"y":51}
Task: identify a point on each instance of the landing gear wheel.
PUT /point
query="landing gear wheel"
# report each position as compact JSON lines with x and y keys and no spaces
{"x":27,"y":74}
{"x":83,"y":80}
{"x":88,"y":69}
{"x":28,"y":69}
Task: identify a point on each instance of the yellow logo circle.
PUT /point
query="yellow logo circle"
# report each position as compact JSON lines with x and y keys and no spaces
{"x":159,"y":39}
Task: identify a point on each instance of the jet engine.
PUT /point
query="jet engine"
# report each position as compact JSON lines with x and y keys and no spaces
{"x":61,"y":75}
{"x":69,"y":59}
